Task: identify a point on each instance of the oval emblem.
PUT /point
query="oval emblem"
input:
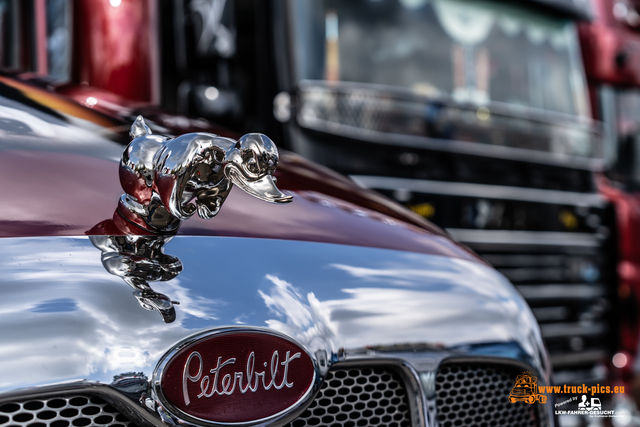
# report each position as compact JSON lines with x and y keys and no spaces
{"x":235,"y":376}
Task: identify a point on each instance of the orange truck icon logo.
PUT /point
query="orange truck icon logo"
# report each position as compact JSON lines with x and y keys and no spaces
{"x":526,"y":390}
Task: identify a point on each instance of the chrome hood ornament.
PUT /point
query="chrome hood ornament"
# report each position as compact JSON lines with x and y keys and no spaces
{"x":167,"y":180}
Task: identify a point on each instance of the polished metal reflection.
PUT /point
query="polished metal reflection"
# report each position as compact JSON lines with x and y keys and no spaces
{"x":140,"y":260}
{"x":167,"y":180}
{"x":343,"y":304}
{"x":326,"y":297}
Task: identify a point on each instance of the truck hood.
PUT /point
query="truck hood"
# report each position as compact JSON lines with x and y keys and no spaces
{"x":64,"y":182}
{"x":67,"y":316}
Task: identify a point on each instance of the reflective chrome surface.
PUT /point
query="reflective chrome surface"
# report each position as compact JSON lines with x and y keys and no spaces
{"x":68,"y":321}
{"x":140,"y":260}
{"x":168,"y":180}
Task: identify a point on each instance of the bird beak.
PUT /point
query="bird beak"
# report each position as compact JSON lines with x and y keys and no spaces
{"x":263,"y":188}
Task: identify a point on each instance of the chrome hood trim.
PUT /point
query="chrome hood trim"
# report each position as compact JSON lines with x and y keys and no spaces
{"x":68,"y":320}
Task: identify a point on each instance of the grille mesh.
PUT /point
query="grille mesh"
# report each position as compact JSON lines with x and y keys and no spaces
{"x":466,"y":394}
{"x":353,"y":397}
{"x":64,"y":411}
{"x":477,"y":394}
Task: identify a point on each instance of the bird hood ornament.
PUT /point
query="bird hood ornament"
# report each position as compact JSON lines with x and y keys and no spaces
{"x":167,"y":180}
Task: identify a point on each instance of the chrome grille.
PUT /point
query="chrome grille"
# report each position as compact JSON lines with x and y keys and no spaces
{"x":369,"y":396}
{"x":564,"y":281}
{"x":469,"y":394}
{"x":74,"y":410}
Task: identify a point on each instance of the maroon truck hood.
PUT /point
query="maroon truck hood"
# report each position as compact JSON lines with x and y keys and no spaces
{"x":49,"y":193}
{"x":60,"y":180}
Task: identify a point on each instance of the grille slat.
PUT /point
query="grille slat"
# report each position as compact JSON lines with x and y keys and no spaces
{"x":534,"y":274}
{"x":351,"y":397}
{"x":469,"y":394}
{"x":564,"y":330}
{"x":65,"y":411}
{"x":562,"y":291}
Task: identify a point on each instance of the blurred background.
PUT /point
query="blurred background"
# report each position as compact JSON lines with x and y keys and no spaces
{"x":514,"y":125}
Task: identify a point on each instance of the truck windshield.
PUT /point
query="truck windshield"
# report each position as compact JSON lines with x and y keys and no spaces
{"x":471,"y":51}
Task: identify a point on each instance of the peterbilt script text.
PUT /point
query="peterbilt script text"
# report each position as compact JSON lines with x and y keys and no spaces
{"x":209,"y":385}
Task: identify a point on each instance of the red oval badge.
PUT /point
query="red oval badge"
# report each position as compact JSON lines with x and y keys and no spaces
{"x":235,"y":376}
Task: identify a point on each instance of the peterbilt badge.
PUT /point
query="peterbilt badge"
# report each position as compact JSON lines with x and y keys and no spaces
{"x":235,"y":376}
{"x":167,"y":180}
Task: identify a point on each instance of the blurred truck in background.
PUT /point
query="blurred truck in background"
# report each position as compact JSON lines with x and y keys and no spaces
{"x":475,"y":115}
{"x":611,"y":43}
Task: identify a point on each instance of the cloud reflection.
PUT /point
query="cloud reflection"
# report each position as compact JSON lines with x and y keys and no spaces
{"x":441,"y":296}
{"x":326,"y":297}
{"x":304,"y":318}
{"x":70,"y":320}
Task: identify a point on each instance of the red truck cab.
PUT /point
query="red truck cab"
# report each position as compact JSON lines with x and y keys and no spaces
{"x":611,"y":52}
